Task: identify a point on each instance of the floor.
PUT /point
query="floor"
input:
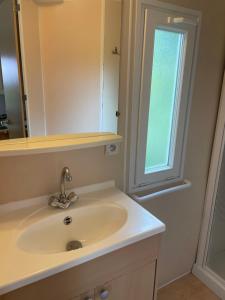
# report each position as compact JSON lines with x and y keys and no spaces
{"x":186,"y":288}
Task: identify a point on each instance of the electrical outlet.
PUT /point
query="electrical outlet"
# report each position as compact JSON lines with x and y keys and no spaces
{"x":111,"y":149}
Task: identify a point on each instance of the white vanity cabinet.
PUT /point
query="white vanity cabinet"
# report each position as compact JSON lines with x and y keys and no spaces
{"x":127,"y":273}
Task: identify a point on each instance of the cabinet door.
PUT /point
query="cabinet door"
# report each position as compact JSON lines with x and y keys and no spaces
{"x":86,"y":296}
{"x":132,"y":286}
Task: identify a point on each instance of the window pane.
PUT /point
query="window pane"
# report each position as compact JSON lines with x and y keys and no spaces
{"x":165,"y":72}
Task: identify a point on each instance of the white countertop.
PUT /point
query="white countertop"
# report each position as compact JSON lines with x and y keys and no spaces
{"x":19,"y":268}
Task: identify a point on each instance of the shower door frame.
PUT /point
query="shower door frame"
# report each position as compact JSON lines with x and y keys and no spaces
{"x":200,"y":269}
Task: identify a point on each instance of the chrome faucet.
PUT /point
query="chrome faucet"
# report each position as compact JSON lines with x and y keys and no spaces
{"x":63,"y":200}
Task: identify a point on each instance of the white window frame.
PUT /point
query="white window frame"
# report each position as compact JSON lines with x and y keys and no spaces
{"x":151,"y":15}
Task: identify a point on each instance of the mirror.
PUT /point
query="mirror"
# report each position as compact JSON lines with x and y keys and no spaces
{"x":59,"y":71}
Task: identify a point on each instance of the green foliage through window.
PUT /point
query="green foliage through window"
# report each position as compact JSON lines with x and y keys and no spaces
{"x":165,"y":75}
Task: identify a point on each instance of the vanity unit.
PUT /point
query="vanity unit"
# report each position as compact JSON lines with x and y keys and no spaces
{"x":104,"y":245}
{"x":118,"y":259}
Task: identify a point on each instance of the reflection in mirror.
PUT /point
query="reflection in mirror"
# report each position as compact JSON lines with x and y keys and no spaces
{"x":70,"y":58}
{"x":12,"y":112}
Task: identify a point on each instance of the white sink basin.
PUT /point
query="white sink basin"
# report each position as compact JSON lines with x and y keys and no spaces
{"x":89,"y":225}
{"x":35,"y":236}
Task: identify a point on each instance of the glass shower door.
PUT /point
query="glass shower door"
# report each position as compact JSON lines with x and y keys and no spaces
{"x":216,"y":251}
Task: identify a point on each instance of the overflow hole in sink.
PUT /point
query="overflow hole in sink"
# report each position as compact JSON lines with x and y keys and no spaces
{"x":73,"y":245}
{"x":67,"y":220}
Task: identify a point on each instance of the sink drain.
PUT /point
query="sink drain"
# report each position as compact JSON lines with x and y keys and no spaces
{"x":73,"y":245}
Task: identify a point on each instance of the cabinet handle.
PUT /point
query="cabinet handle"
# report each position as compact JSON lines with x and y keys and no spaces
{"x":104,"y":294}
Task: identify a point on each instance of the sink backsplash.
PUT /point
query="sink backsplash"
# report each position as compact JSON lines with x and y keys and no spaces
{"x":23,"y":177}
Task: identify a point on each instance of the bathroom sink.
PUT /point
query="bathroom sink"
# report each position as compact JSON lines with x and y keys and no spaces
{"x":69,"y":230}
{"x":36,"y":238}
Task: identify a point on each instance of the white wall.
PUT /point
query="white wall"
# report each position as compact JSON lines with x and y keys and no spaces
{"x":24,"y":177}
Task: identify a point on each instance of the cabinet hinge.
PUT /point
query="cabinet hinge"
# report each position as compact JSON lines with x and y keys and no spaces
{"x":117,"y":114}
{"x":17,"y":7}
{"x":24,"y":98}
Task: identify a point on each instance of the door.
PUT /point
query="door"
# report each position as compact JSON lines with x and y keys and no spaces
{"x":111,"y":65}
{"x":11,"y":68}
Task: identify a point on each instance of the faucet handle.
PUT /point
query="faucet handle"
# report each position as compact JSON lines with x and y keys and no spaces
{"x":63,"y":201}
{"x":53,"y":201}
{"x":72,"y":197}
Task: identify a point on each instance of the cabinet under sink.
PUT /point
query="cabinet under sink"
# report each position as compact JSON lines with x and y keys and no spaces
{"x":127,"y":273}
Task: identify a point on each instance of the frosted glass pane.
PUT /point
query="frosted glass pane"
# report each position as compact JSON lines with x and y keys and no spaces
{"x":165,"y":70}
{"x":216,"y":249}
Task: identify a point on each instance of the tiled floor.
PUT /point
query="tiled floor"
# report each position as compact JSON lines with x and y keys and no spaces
{"x":186,"y":288}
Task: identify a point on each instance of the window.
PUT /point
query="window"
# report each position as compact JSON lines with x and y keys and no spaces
{"x":165,"y":45}
{"x":165,"y":80}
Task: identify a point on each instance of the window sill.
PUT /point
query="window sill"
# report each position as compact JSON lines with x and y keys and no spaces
{"x":161,"y":191}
